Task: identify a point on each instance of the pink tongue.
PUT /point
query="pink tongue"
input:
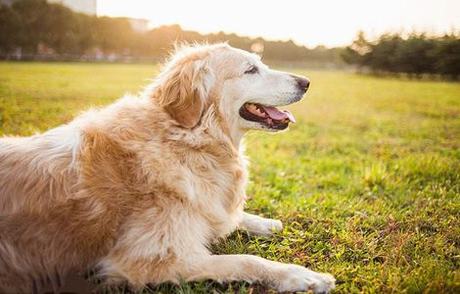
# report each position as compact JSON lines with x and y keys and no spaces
{"x":275,"y":114}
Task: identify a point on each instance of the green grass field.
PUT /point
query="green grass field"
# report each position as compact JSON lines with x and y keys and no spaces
{"x":367,"y":182}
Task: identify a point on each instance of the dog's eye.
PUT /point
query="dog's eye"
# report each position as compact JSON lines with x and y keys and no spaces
{"x":252,"y":70}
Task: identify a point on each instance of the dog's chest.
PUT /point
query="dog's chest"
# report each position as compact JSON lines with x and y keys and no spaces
{"x":217,"y":187}
{"x":223,"y":181}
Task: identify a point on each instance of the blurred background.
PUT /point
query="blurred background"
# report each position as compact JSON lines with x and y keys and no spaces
{"x":408,"y":36}
{"x":367,"y":182}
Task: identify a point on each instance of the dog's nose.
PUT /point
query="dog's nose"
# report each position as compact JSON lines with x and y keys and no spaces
{"x":302,"y":83}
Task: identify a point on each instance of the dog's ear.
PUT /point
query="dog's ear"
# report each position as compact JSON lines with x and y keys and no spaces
{"x":184,"y":91}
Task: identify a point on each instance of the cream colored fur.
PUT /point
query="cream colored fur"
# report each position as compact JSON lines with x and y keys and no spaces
{"x":141,"y":188}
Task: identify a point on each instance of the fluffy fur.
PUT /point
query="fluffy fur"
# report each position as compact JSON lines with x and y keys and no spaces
{"x":139,"y":189}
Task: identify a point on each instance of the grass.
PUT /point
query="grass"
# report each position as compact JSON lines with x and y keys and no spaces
{"x":367,"y":182}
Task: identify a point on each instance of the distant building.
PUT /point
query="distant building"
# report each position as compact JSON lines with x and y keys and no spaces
{"x":84,"y":6}
{"x":139,"y":25}
{"x":7,"y":2}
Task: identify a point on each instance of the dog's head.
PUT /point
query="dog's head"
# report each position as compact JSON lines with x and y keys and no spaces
{"x":244,"y":91}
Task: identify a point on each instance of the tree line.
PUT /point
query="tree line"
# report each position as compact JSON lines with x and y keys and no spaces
{"x":36,"y":27}
{"x":416,"y":54}
{"x":33,"y":25}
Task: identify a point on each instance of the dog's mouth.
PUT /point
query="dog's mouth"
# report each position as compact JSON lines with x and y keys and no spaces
{"x":268,"y":116}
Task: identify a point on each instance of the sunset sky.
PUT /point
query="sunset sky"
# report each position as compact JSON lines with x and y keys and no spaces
{"x":310,"y":23}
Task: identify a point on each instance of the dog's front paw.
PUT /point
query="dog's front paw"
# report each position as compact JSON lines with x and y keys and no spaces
{"x":258,"y":225}
{"x":297,"y":278}
{"x":275,"y":225}
{"x":269,"y":226}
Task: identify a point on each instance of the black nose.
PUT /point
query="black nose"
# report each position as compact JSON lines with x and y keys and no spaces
{"x":302,"y":83}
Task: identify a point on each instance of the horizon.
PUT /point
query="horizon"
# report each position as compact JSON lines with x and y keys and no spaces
{"x":304,"y":28}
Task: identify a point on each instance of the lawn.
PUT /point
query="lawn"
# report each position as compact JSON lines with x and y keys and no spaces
{"x":367,"y":182}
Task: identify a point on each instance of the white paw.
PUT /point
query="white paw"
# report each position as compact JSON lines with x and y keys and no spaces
{"x":297,"y":278}
{"x":275,"y":225}
{"x":269,"y":226}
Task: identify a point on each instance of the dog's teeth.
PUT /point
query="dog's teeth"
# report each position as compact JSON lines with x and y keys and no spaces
{"x":252,"y":107}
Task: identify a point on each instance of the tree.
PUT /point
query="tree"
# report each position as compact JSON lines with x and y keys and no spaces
{"x":416,"y":55}
{"x":11,"y":29}
{"x":448,"y":53}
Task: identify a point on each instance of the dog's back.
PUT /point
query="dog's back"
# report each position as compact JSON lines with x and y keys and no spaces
{"x":33,"y":169}
{"x":61,"y":194}
{"x":37,"y":174}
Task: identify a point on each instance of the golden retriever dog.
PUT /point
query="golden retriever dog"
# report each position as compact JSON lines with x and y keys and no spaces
{"x":141,"y":188}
